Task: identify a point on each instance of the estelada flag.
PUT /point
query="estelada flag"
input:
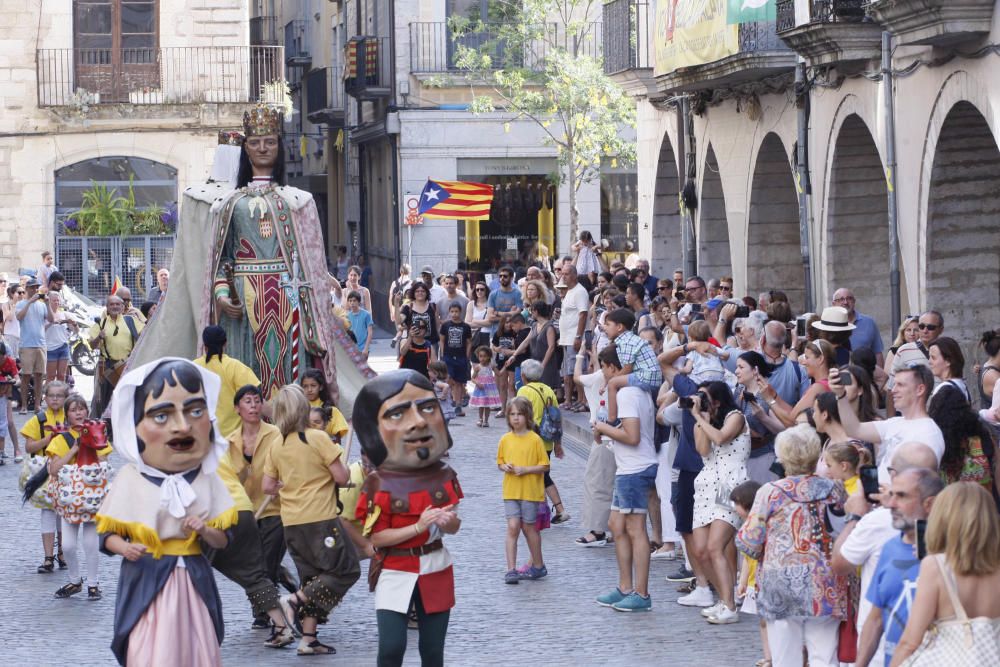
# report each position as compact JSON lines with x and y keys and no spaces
{"x":116,"y":285}
{"x":456,"y":200}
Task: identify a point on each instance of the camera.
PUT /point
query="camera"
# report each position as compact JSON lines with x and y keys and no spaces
{"x":742,"y":311}
{"x":687,"y":402}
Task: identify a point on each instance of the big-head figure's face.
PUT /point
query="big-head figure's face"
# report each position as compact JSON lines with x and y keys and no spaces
{"x":262,"y":150}
{"x":175,"y":430}
{"x":413,"y":429}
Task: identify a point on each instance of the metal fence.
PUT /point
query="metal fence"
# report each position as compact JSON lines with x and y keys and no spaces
{"x":434,"y":45}
{"x":173,"y":75}
{"x":91,"y":263}
{"x":628,"y":31}
{"x":760,"y":36}
{"x":821,"y":11}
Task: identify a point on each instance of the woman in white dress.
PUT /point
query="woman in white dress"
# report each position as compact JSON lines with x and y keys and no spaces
{"x":722,"y":437}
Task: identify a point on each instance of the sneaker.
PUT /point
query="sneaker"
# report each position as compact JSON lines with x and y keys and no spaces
{"x":69,"y":589}
{"x":664,"y":555}
{"x":709,"y":611}
{"x":682,"y":574}
{"x":459,"y":412}
{"x":611,"y":598}
{"x":93,"y":593}
{"x":534,"y":573}
{"x":18,"y":459}
{"x":512,"y":577}
{"x":724,"y":616}
{"x":700,"y":597}
{"x":634,"y":602}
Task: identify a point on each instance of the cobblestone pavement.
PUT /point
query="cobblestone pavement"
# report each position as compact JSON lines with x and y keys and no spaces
{"x":553,"y":621}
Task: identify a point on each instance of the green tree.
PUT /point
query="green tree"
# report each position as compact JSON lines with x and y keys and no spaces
{"x":543,"y":63}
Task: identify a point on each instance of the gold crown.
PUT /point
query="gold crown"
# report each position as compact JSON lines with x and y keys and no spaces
{"x":230,"y":138}
{"x":261,"y":121}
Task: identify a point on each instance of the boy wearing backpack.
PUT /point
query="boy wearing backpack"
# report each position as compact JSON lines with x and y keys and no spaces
{"x":548,"y":422}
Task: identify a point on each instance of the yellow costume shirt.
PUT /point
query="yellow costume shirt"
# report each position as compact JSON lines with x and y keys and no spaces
{"x":523,"y":450}
{"x":338,"y":425}
{"x":234,"y":374}
{"x":33,"y":429}
{"x":252,"y":473}
{"x":302,"y":463}
{"x":349,"y":495}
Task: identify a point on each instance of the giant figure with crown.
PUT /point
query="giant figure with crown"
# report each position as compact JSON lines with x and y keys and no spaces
{"x":252,"y":260}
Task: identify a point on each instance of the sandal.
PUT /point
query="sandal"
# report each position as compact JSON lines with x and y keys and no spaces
{"x":60,"y":560}
{"x":93,"y":593}
{"x":579,"y":407}
{"x":281,"y":636}
{"x":314,"y":647}
{"x":763,"y":662}
{"x":560,"y":517}
{"x":69,"y":589}
{"x":48,"y":565}
{"x":600,"y":539}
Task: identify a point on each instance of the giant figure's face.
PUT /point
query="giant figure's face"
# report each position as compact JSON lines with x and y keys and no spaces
{"x":413,"y":429}
{"x":175,"y":429}
{"x":262,"y":151}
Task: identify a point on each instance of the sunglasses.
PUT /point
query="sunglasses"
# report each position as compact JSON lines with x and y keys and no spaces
{"x":726,"y":288}
{"x":20,"y":291}
{"x":927,"y":327}
{"x":480,"y":289}
{"x":663,"y":287}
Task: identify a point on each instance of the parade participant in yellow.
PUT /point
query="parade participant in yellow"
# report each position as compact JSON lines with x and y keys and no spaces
{"x":233,"y":373}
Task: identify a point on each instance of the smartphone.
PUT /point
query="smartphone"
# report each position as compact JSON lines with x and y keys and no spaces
{"x":845,"y":379}
{"x":800,"y":328}
{"x":921,"y":531}
{"x":685,"y":402}
{"x":695,"y":307}
{"x":869,"y":481}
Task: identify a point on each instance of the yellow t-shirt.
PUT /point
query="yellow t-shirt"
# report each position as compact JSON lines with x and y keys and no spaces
{"x":240,"y":499}
{"x":303,"y":468}
{"x":116,"y":346}
{"x":538,"y":402}
{"x":338,"y":425}
{"x":349,"y":496}
{"x":58,"y":446}
{"x":253,"y":473}
{"x":523,"y":450}
{"x":752,"y":577}
{"x":851,"y":485}
{"x":33,"y":430}
{"x":234,"y":374}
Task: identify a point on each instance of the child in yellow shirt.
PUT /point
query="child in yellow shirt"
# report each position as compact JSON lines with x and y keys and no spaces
{"x":842,"y":462}
{"x":521,"y":457}
{"x":318,"y":393}
{"x":742,"y":497}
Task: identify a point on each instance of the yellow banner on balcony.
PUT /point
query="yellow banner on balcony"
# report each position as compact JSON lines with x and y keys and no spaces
{"x":692,"y":32}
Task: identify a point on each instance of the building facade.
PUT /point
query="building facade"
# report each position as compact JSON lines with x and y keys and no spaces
{"x":732,"y":126}
{"x":127,"y":95}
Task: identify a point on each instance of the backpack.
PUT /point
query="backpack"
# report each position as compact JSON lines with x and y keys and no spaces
{"x":550,"y":427}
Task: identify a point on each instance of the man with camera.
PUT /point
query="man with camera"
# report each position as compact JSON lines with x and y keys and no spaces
{"x":33,"y":313}
{"x":114,"y":335}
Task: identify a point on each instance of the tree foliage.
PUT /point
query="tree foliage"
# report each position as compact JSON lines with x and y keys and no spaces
{"x":543,"y":63}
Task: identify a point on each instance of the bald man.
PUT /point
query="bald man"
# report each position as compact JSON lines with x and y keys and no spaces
{"x":867,"y":530}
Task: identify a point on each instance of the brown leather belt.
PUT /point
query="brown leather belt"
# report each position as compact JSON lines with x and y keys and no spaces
{"x":428,"y":548}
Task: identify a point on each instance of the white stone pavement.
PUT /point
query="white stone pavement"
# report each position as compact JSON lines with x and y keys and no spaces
{"x":553,"y":621}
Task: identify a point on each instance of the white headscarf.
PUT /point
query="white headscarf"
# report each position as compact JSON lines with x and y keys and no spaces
{"x":176,"y":493}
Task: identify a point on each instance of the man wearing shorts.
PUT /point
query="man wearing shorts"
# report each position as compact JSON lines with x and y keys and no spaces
{"x":636,"y":460}
{"x":33,"y":313}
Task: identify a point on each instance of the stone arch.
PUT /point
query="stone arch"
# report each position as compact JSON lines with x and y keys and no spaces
{"x":857,"y":227}
{"x":774,"y":259}
{"x":666,"y":247}
{"x":714,"y":254}
{"x":962,"y":247}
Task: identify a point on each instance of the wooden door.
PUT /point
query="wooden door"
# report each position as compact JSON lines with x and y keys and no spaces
{"x":116,"y":50}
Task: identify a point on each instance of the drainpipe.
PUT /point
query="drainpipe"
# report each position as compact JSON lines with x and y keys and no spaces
{"x":685,"y":148}
{"x":802,"y":180}
{"x":890,"y":178}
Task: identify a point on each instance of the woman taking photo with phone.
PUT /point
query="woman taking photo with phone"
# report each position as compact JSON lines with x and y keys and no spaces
{"x":817,"y":361}
{"x":722,"y":438}
{"x":750,"y":368}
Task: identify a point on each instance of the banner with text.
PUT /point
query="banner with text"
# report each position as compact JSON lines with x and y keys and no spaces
{"x":694,"y":32}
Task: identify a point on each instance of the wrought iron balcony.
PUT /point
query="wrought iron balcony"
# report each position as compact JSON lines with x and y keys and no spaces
{"x":762,"y":54}
{"x":173,"y":75}
{"x":368,"y":72}
{"x":628,"y":31}
{"x":837,"y":31}
{"x":297,"y":43}
{"x":325,"y":96}
{"x":434,"y":46}
{"x":264,"y":31}
{"x":934,"y":22}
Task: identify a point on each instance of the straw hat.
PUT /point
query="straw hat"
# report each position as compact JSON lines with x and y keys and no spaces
{"x":834,"y":318}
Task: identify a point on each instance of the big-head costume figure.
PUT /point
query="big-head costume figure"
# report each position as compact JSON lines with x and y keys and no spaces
{"x":162,"y":505}
{"x":252,"y":259}
{"x":408,"y":504}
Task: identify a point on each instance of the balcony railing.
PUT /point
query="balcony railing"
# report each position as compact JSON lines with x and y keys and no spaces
{"x":368,"y":72}
{"x":264,"y":31}
{"x":434,"y":46}
{"x":325,"y":96}
{"x":821,"y":11}
{"x":627,"y":31}
{"x":756,"y":36}
{"x":174,"y":75}
{"x":297,"y":44}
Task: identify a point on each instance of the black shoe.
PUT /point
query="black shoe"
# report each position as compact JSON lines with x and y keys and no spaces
{"x":261,"y":623}
{"x":69,"y":589}
{"x":93,"y":593}
{"x":62,"y":563}
{"x":48,"y":565}
{"x":683,"y":574}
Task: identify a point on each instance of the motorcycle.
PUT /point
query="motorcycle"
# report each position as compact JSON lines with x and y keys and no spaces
{"x":84,"y":357}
